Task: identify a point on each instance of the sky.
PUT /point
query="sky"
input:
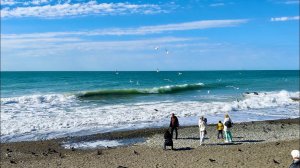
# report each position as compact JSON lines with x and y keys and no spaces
{"x":134,"y":35}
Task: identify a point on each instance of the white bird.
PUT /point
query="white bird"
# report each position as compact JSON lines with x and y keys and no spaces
{"x":157,"y":70}
{"x":130,"y":81}
{"x":168,"y":80}
{"x":208,"y":91}
{"x":156,"y":48}
{"x":179,"y":73}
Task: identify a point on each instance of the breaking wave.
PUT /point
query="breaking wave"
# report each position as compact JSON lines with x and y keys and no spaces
{"x":127,"y":92}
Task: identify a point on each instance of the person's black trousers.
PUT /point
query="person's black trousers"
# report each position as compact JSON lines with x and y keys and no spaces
{"x":176,"y":133}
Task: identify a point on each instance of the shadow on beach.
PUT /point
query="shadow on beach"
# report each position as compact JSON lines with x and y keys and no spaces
{"x":193,"y":138}
{"x":236,"y":142}
{"x":250,"y":141}
{"x":183,"y":149}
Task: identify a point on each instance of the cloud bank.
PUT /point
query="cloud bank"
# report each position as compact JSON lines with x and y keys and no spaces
{"x":143,"y":30}
{"x":285,"y":18}
{"x":76,"y":9}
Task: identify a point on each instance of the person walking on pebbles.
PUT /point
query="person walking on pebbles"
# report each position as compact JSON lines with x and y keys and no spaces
{"x":227,"y":126}
{"x":174,"y":124}
{"x":202,"y":129}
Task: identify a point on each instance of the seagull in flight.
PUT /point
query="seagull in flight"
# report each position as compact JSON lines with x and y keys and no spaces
{"x":167,"y":52}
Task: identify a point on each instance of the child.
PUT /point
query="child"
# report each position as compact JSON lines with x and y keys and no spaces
{"x":220,"y":127}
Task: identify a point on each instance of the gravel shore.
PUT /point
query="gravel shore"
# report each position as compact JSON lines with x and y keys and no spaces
{"x":256,"y":144}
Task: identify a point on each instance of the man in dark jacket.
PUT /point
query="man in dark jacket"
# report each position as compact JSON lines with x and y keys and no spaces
{"x":168,"y":139}
{"x":174,"y":124}
{"x":296,"y":159}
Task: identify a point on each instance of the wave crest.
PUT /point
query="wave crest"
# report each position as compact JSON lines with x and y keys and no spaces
{"x":156,"y":90}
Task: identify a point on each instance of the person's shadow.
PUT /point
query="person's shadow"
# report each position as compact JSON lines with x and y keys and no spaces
{"x":183,"y":149}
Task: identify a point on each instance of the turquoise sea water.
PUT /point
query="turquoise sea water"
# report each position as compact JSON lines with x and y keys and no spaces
{"x":38,"y":105}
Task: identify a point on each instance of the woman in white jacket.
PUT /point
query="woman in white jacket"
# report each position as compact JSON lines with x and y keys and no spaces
{"x":202,"y":129}
{"x":227,"y":125}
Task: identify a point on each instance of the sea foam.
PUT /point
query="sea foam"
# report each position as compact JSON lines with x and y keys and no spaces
{"x":39,"y":117}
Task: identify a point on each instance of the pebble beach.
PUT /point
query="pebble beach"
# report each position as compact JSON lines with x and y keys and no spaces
{"x":255,"y":144}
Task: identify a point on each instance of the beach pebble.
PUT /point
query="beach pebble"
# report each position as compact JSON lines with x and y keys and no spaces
{"x":135,"y":152}
{"x":13,"y":162}
{"x":275,"y":161}
{"x":212,"y":160}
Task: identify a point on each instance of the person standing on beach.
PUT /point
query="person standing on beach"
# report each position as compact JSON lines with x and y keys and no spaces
{"x":220,"y":128}
{"x":202,"y":129}
{"x":296,"y":159}
{"x":227,"y":125}
{"x":174,"y":124}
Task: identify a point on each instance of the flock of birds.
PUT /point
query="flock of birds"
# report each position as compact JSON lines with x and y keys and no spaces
{"x":157,"y":70}
{"x":179,"y":73}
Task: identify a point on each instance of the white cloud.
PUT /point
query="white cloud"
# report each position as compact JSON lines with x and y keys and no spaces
{"x":195,"y":25}
{"x":286,"y":18}
{"x":8,"y":2}
{"x":88,"y":8}
{"x":217,"y":4}
{"x":291,"y":2}
{"x":36,"y":2}
{"x":62,"y":46}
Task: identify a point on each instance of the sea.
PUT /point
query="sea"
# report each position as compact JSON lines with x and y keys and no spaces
{"x":46,"y":105}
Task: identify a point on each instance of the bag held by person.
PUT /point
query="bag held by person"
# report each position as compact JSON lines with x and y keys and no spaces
{"x":228,"y":124}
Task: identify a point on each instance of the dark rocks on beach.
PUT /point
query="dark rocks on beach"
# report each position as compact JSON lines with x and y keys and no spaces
{"x":239,"y":150}
{"x":73,"y":149}
{"x":277,"y":143}
{"x":212,"y":160}
{"x":61,"y":155}
{"x":135,"y":152}
{"x":255,"y":93}
{"x":8,"y":155}
{"x":99,"y":152}
{"x":266,"y":130}
{"x":121,"y":167}
{"x":8,"y":150}
{"x":51,"y":151}
{"x":155,"y":109}
{"x":45,"y":154}
{"x":33,"y":153}
{"x":275,"y":161}
{"x":13,"y":162}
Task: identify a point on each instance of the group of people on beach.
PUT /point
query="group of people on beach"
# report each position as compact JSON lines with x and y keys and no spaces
{"x":225,"y":126}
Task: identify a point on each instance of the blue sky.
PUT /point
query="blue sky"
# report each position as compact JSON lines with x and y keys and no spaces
{"x":86,"y":35}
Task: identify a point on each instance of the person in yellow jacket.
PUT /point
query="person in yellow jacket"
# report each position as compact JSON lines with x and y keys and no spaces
{"x":220,"y":128}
